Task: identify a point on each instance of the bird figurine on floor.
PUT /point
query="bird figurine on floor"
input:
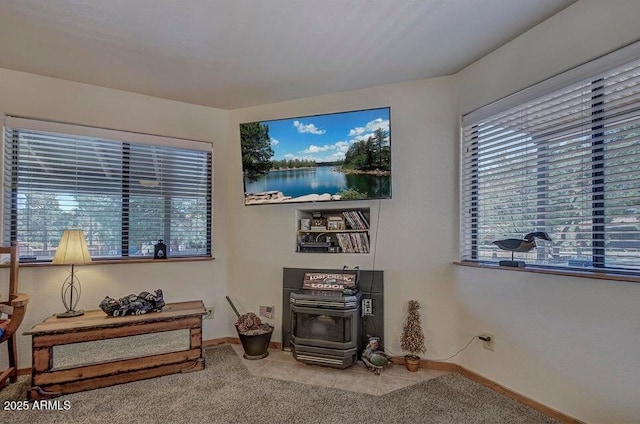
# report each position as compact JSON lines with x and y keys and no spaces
{"x":520,"y":245}
{"x":374,"y":357}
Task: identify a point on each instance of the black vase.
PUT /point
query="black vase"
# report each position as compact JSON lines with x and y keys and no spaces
{"x":256,"y":346}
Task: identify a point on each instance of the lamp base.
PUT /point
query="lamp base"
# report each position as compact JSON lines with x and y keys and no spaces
{"x":70,"y":314}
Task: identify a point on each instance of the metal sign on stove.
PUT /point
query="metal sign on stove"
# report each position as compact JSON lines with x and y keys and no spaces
{"x":329,"y":281}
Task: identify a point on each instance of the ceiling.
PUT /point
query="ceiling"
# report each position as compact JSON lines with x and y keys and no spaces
{"x":236,"y":53}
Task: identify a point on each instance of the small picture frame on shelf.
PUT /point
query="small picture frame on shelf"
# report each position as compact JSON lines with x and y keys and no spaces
{"x":305,"y":224}
{"x":335,"y":223}
{"x":318,"y":223}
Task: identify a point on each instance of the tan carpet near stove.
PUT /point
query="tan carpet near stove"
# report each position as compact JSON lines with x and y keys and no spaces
{"x":226,"y":392}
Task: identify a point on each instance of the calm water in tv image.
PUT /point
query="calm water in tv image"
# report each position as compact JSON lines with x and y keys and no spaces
{"x":340,"y":156}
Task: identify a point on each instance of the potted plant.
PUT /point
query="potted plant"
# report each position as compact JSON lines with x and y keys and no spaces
{"x":412,"y":339}
{"x":254,"y":335}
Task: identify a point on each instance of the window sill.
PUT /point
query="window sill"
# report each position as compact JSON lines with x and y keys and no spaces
{"x":582,"y":274}
{"x":120,"y":261}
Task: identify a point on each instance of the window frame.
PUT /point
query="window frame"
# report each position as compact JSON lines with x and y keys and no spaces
{"x":125,"y":139}
{"x":469,"y":203}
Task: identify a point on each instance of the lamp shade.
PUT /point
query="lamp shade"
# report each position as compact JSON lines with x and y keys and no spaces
{"x":72,"y":249}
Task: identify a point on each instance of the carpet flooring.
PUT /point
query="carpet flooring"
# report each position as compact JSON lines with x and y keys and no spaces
{"x":225,"y":392}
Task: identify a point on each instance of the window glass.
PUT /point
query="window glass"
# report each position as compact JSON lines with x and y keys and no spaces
{"x":566,"y":163}
{"x":124,"y":195}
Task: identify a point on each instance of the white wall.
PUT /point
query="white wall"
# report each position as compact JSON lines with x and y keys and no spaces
{"x":34,"y":96}
{"x":415,"y":246}
{"x":569,"y":343}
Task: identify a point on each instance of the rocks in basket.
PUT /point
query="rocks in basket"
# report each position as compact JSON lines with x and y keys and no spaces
{"x":251,"y":324}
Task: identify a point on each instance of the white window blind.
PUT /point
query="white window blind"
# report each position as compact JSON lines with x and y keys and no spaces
{"x":565,"y":161}
{"x":126,"y":195}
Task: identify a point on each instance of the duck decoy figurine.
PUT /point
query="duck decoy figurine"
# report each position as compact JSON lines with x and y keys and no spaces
{"x":374,"y":357}
{"x":520,"y":245}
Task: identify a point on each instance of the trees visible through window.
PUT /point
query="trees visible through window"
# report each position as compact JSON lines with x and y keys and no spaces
{"x":125,"y":195}
{"x":566,"y":162}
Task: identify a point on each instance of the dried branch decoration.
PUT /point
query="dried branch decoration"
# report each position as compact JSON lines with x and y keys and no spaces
{"x":412,"y":339}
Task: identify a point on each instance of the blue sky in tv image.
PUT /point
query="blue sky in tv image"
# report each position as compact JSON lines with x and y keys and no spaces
{"x":323,"y":139}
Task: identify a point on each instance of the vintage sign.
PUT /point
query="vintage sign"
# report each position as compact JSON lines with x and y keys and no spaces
{"x":329,"y":281}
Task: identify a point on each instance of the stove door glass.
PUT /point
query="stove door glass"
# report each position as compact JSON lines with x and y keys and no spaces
{"x":323,"y":327}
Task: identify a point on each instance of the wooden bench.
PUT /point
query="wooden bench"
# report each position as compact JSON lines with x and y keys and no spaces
{"x":50,"y":381}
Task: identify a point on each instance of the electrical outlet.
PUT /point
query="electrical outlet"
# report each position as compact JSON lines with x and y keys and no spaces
{"x":489,"y":344}
{"x":210,"y":312}
{"x":367,"y":306}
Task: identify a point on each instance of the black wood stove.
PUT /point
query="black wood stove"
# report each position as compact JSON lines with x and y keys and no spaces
{"x":323,"y":322}
{"x":325,"y":327}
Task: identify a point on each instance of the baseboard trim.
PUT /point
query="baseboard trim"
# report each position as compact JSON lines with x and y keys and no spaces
{"x":215,"y":342}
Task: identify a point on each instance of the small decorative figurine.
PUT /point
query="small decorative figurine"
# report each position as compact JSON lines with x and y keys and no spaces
{"x":160,"y":250}
{"x":518,"y":245}
{"x":133,"y":305}
{"x":374,"y":357}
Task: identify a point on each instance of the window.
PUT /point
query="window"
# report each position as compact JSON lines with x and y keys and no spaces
{"x":561,"y":157}
{"x":125,"y":190}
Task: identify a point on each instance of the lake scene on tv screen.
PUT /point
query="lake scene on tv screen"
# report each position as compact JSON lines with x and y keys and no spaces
{"x":332,"y":157}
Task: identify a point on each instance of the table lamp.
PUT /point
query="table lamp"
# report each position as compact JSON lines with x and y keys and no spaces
{"x":72,"y":250}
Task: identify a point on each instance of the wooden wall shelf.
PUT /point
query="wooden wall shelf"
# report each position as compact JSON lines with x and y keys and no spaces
{"x":333,"y":231}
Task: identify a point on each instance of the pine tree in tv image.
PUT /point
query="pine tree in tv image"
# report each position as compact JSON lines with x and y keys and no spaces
{"x":338,"y":156}
{"x":256,"y":150}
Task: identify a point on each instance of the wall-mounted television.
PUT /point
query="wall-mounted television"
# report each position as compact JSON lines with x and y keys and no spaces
{"x":321,"y":158}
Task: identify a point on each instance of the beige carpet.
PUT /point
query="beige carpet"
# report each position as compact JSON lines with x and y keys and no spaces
{"x":225,"y":392}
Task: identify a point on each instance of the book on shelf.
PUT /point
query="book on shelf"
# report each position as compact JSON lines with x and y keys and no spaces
{"x":349,"y":218}
{"x":343,"y":242}
{"x":357,"y":225}
{"x":356,"y":220}
{"x":357,"y":242}
{"x":363,"y":219}
{"x":365,"y":242}
{"x":353,"y":242}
